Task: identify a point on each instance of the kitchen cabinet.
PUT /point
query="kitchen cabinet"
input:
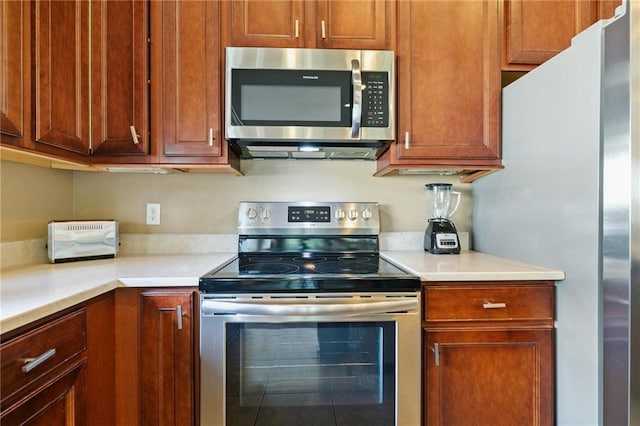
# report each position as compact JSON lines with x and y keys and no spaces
{"x":448,"y":88}
{"x":534,"y":31}
{"x":59,"y":370}
{"x":488,"y":352}
{"x":187,"y":91}
{"x":15,"y":81}
{"x":119,"y":79}
{"x":89,"y":82}
{"x":156,"y":356}
{"x":168,"y":367}
{"x":62,"y":96}
{"x":363,"y":24}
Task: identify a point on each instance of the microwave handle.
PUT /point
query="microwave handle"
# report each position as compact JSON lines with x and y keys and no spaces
{"x":356,"y":111}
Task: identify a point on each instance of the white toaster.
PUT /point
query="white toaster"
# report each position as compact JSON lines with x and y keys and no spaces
{"x":82,"y":240}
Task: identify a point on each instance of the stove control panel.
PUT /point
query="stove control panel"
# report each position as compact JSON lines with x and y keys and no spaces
{"x":308,"y":218}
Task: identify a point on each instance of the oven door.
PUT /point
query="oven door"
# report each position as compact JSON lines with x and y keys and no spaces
{"x":326,"y":359}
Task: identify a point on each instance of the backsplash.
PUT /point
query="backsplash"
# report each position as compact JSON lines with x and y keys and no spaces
{"x":20,"y":253}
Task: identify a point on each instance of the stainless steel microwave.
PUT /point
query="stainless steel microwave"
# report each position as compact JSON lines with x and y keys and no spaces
{"x":309,"y":103}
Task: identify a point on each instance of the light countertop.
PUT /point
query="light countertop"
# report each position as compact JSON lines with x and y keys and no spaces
{"x":467,"y":266}
{"x":33,"y":292}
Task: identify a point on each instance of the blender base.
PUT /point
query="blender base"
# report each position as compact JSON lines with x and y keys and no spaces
{"x":441,"y":237}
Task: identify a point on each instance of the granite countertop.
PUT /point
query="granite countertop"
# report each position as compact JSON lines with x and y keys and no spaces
{"x":33,"y":292}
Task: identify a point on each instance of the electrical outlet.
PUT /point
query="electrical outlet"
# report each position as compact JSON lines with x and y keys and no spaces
{"x":153,"y":213}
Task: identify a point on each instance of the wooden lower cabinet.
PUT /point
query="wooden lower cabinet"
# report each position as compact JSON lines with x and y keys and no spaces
{"x":156,"y":354}
{"x":59,"y":370}
{"x":168,"y":385}
{"x":488,"y":354}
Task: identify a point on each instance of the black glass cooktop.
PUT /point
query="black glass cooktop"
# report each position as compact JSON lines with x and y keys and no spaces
{"x":308,"y":272}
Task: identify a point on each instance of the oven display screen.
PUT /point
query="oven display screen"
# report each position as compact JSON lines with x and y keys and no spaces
{"x":309,"y":214}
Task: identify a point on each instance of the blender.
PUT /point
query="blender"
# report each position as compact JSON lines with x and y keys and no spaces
{"x":441,"y":236}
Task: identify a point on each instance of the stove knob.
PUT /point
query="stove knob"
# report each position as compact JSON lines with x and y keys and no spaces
{"x":252,"y":213}
{"x":340,"y":214}
{"x":366,"y":214}
{"x":353,"y":214}
{"x":265,"y":214}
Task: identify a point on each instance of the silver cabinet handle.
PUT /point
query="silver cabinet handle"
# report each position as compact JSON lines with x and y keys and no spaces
{"x":489,"y":305}
{"x":436,"y":353}
{"x":297,"y":28}
{"x":134,"y":134}
{"x":210,"y":136}
{"x":31,"y":363}
{"x":179,"y":316}
{"x":356,"y":112}
{"x":323,"y":25}
{"x":406,"y":140}
{"x":210,"y":307}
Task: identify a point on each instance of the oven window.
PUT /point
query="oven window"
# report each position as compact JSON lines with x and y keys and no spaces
{"x":332,"y":373}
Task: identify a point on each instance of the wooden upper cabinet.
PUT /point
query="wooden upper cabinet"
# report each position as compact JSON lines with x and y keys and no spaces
{"x":190,"y":85}
{"x":266,"y":23}
{"x":349,"y":24}
{"x":448,"y":86}
{"x":120,"y":74}
{"x":15,"y":74}
{"x":536,"y":30}
{"x":346,"y":24}
{"x":61,"y":49}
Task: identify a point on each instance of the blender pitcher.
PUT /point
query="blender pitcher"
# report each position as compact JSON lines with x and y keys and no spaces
{"x":441,"y":236}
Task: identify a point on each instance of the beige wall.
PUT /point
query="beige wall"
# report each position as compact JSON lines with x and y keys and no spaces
{"x":207,"y":203}
{"x":30,"y":197}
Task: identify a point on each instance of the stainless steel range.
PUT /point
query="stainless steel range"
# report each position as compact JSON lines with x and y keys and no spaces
{"x":308,"y":325}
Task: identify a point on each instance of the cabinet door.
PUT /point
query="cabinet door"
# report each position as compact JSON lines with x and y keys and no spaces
{"x":267,"y":23}
{"x":61,"y":46}
{"x":167,"y":358}
{"x":15,"y":74}
{"x":448,"y":84}
{"x":537,"y":30}
{"x":348,"y":24}
{"x":495,"y":377}
{"x":59,"y":402}
{"x":190,"y":87}
{"x":119,"y":79}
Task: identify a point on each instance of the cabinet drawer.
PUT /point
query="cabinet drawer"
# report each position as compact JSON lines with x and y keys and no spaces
{"x":473,"y":303}
{"x":28,"y":357}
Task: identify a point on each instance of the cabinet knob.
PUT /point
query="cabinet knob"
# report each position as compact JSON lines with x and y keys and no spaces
{"x":406,"y":140}
{"x":297,"y":29}
{"x":323,"y":26}
{"x":210,"y":136}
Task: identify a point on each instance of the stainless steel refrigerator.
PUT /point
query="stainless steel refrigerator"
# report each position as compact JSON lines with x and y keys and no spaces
{"x":569,"y":198}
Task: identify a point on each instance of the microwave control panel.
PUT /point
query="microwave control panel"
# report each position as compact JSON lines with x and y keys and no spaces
{"x":375,"y":99}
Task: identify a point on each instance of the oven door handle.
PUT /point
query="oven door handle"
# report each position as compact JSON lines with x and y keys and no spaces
{"x":211,"y":307}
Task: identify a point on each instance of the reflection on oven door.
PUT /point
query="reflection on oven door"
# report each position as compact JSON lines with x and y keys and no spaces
{"x":325,"y":373}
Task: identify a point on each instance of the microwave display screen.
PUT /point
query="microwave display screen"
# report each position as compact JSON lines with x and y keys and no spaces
{"x":278,"y":97}
{"x":290,"y":103}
